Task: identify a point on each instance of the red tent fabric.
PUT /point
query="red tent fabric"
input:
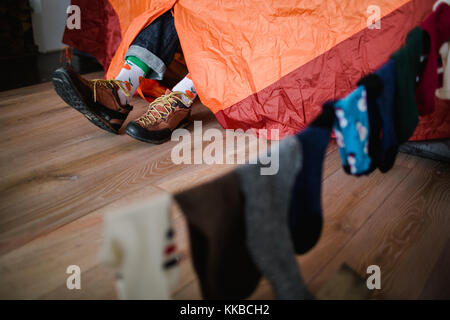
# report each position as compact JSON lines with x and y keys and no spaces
{"x":100,"y":34}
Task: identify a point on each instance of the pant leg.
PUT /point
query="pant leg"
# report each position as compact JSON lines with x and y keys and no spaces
{"x":156,"y":45}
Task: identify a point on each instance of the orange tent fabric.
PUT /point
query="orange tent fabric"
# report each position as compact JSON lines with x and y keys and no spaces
{"x":271,"y":64}
{"x":134,"y":16}
{"x":251,"y":44}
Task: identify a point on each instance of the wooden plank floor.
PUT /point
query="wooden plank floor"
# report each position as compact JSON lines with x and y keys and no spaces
{"x":60,"y":175}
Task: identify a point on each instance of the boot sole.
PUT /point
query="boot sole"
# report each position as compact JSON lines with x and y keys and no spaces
{"x":65,"y":88}
{"x":183,"y":124}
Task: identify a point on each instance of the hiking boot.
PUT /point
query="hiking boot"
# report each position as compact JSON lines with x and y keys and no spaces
{"x":97,"y":100}
{"x":164,"y":115}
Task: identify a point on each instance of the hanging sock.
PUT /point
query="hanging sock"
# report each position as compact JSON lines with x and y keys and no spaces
{"x":138,"y":241}
{"x":444,"y":92}
{"x":389,"y":145}
{"x":407,"y":67}
{"x":305,"y":213}
{"x":352,"y":132}
{"x":186,"y":86}
{"x":132,"y":73}
{"x":374,"y":87}
{"x":437,"y":28}
{"x":216,"y":221}
{"x":266,"y":213}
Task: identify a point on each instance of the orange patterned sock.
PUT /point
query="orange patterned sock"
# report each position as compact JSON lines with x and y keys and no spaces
{"x":186,"y":86}
{"x":131,"y":75}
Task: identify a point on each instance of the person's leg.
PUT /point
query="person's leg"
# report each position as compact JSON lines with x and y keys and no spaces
{"x":150,"y":54}
{"x":98,"y":100}
{"x":148,"y":57}
{"x":186,"y":86}
{"x":164,"y":115}
{"x":131,"y":75}
{"x":155,"y":46}
{"x":105,"y":102}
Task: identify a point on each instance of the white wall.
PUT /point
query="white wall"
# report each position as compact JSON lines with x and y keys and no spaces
{"x":49,"y":20}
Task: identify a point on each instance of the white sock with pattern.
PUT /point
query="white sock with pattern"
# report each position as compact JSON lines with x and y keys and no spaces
{"x":131,"y":75}
{"x":186,"y":86}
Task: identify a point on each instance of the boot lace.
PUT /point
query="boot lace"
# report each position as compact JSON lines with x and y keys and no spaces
{"x":108,"y":84}
{"x":154,"y":114}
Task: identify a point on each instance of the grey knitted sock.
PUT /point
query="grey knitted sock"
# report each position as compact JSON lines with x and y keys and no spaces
{"x":267,"y":201}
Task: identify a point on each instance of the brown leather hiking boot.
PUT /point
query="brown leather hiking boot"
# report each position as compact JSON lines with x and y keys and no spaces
{"x":97,"y":100}
{"x":163,"y":116}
